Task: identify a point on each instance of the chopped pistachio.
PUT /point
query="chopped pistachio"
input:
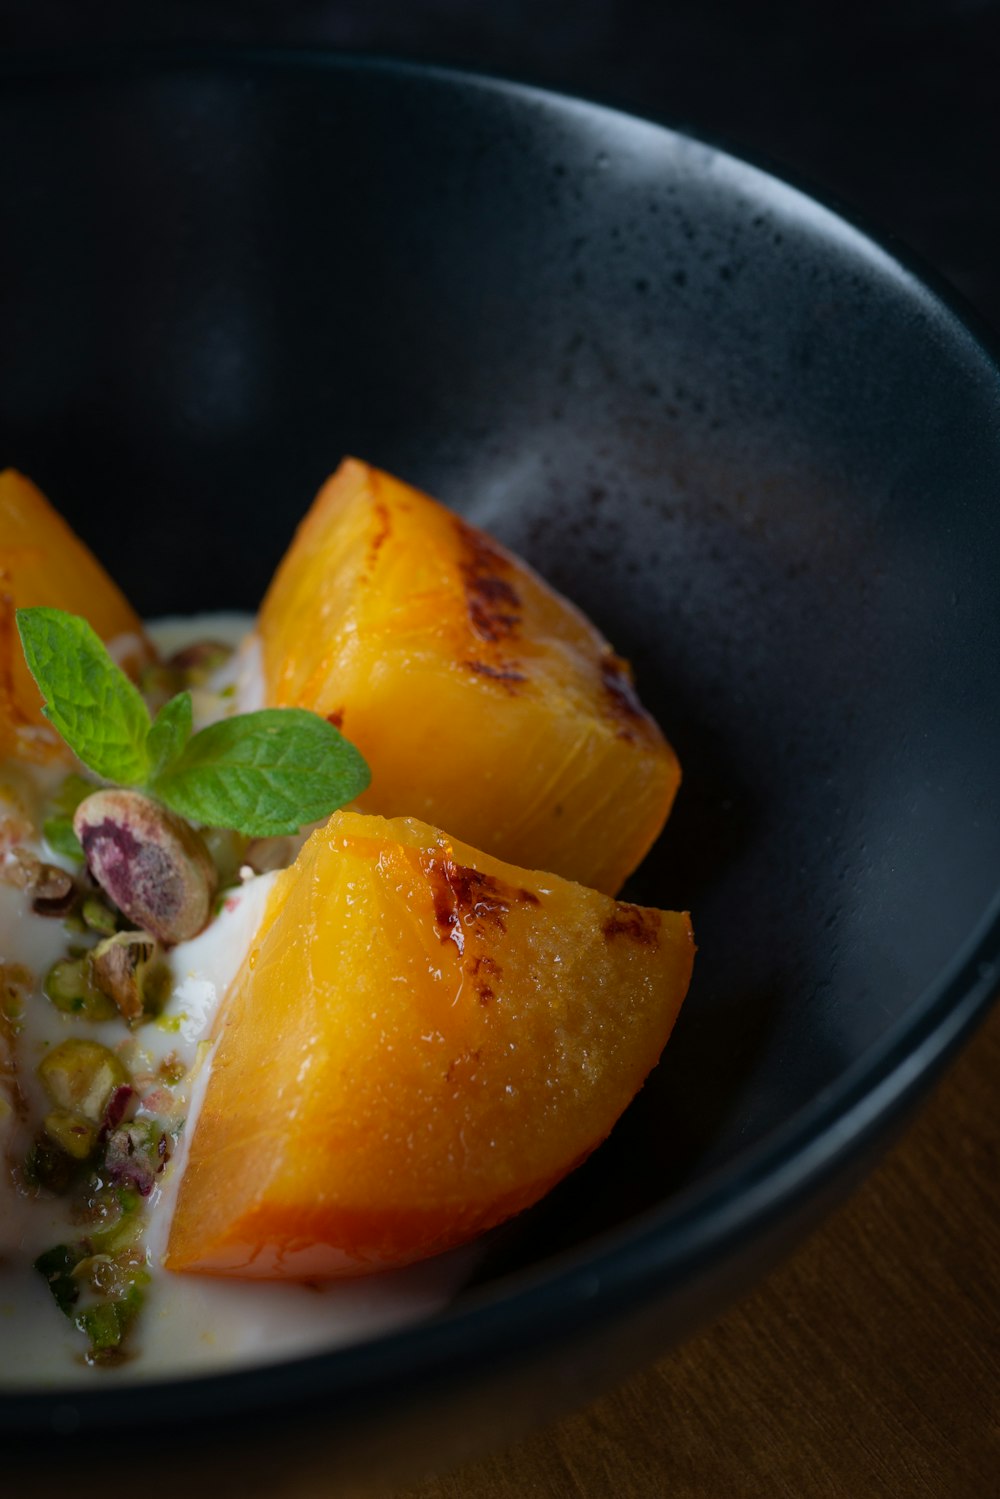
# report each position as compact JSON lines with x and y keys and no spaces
{"x":52,"y":889}
{"x":98,"y":916}
{"x":108,"y":1214}
{"x":106,"y":1324}
{"x":98,"y":1271}
{"x":128,"y":1201}
{"x":53,"y":884}
{"x":171,"y":1069}
{"x":74,"y":1135}
{"x":16,"y":983}
{"x":103,"y":1327}
{"x":136,"y":1154}
{"x":120,"y":1106}
{"x":80,"y":1076}
{"x":20,"y":868}
{"x":56,"y":1266}
{"x":56,"y":906}
{"x":71,"y":987}
{"x":48,"y":1166}
{"x":111,"y":1272}
{"x":101,"y":1289}
{"x":120,"y":966}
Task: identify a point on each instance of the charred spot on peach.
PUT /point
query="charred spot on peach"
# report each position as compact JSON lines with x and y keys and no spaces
{"x":493,"y":603}
{"x":465,"y":897}
{"x":635,"y":923}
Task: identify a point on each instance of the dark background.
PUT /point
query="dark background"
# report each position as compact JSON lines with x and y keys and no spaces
{"x":891,"y":108}
{"x":894,"y":110}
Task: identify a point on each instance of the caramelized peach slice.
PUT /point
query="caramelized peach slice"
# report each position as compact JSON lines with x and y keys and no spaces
{"x":42,"y":561}
{"x":483,"y":701}
{"x":421,"y":1042}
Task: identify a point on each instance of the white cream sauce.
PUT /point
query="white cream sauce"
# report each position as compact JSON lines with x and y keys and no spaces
{"x":189,"y":1324}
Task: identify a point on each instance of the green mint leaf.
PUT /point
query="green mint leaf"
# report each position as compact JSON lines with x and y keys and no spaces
{"x":264,"y":773}
{"x":170,"y":733}
{"x":88,"y":699}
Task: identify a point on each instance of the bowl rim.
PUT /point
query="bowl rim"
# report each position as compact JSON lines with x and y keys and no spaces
{"x":701,"y":1225}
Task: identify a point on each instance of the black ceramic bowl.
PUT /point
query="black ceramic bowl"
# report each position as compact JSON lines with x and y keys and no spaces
{"x":741,"y":434}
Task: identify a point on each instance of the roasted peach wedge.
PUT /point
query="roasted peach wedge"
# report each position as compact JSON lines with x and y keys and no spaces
{"x":422,"y":1040}
{"x":483,"y":701}
{"x":42,"y":561}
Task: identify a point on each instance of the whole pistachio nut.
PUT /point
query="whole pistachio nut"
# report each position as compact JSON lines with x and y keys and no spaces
{"x":152,"y":864}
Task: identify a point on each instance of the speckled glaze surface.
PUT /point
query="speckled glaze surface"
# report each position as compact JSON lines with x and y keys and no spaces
{"x":744,"y":437}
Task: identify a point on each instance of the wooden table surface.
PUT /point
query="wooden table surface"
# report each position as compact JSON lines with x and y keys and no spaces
{"x":866,"y":1366}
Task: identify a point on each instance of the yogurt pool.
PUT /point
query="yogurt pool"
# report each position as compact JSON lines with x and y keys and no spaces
{"x":182,"y":1324}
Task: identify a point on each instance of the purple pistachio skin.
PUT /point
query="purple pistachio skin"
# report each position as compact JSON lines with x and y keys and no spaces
{"x":152,"y":864}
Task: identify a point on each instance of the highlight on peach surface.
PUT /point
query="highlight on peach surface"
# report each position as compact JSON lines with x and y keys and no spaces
{"x":43,"y":561}
{"x":483,"y":701}
{"x":421,"y":1042}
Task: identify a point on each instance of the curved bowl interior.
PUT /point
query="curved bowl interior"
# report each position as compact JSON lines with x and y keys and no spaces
{"x":743,"y":437}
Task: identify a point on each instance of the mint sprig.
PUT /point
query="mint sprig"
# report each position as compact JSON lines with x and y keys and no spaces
{"x":261,"y":774}
{"x":88,"y":699}
{"x":283,"y":762}
{"x":169,"y":733}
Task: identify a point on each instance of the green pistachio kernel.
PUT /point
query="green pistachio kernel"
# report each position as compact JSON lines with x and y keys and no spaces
{"x":74,"y":1135}
{"x":80,"y":1076}
{"x":99,"y":917}
{"x":128,"y":969}
{"x":46,"y":1165}
{"x":70,"y":986}
{"x":106,"y":1324}
{"x":56,"y":1266}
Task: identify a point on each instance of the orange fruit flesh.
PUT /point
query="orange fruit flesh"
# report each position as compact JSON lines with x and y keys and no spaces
{"x":421,"y":1042}
{"x":43,"y":562}
{"x":483,"y":701}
